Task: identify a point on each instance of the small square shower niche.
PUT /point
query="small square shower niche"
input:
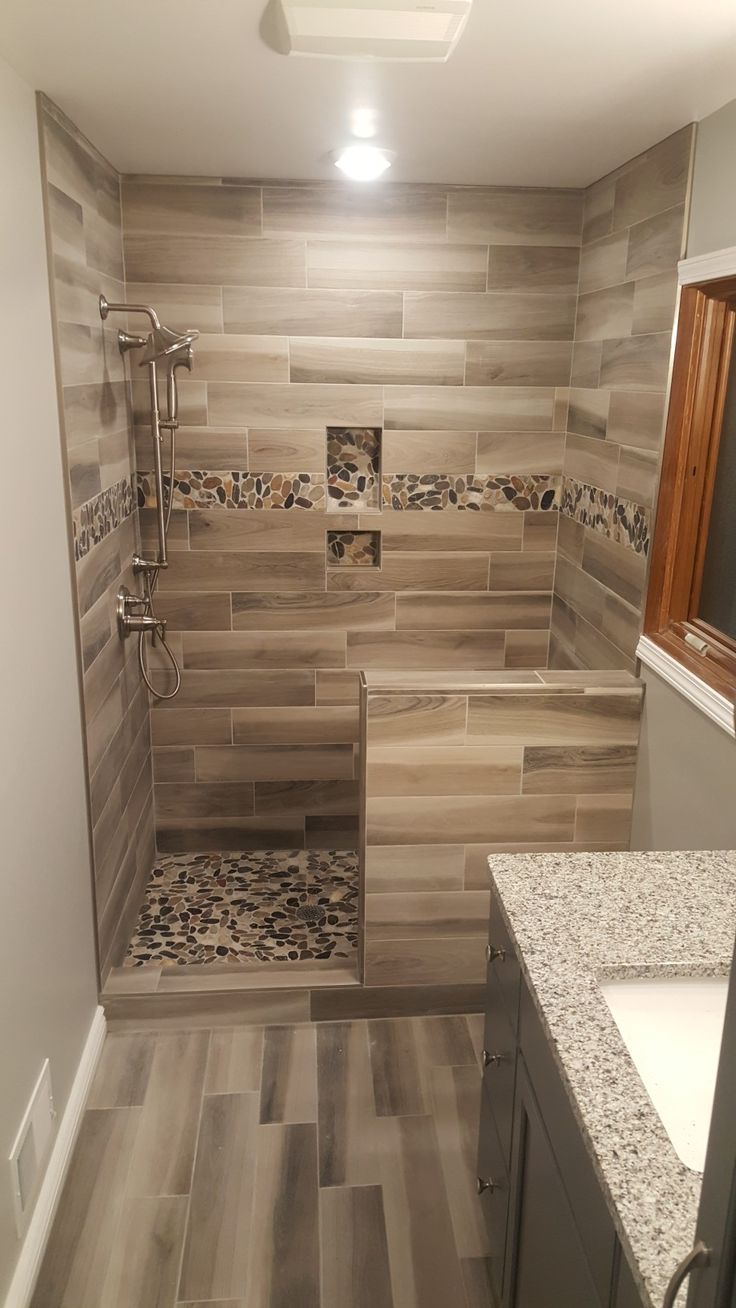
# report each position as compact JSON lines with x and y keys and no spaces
{"x":354,"y":469}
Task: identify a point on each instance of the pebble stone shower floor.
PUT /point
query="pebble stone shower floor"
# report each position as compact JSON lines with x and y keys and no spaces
{"x":262,"y":906}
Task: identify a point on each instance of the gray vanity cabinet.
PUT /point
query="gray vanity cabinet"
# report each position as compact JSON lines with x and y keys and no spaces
{"x":550,"y":1231}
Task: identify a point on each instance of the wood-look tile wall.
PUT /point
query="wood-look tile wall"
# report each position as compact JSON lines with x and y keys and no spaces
{"x":457,"y":768}
{"x":634,"y":232}
{"x":444,"y":317}
{"x":82,"y":195}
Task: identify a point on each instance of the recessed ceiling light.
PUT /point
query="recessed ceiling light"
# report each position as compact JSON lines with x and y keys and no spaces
{"x":362,"y":163}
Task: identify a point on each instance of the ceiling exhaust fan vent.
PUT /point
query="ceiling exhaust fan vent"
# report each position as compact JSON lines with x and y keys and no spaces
{"x":375,"y":29}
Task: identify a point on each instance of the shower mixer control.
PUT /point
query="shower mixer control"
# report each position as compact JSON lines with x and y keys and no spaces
{"x":134,"y":614}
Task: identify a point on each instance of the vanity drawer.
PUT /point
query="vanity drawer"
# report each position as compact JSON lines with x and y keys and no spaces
{"x":503,"y":965}
{"x":493,"y":1188}
{"x":499,"y":1066}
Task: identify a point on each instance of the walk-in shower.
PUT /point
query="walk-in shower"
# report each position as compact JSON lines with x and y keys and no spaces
{"x":161,"y":348}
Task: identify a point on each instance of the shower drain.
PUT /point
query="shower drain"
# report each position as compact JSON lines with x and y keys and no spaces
{"x":309,"y":913}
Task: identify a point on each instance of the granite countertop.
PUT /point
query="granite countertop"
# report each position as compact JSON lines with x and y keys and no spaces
{"x":578,"y":919}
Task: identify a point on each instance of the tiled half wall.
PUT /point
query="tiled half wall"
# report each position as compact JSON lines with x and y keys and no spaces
{"x":634,"y":232}
{"x":434,"y":323}
{"x":460,"y":767}
{"x":82,"y":196}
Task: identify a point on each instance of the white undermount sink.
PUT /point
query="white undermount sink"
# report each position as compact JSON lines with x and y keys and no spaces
{"x":672,"y":1028}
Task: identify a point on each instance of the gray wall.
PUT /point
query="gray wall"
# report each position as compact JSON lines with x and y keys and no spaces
{"x":686,"y":778}
{"x":48,"y":990}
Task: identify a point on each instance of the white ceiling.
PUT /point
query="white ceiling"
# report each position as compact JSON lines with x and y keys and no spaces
{"x":537,"y":93}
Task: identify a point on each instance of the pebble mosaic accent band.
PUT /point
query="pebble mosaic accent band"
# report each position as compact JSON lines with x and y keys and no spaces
{"x":273,"y":905}
{"x":434,"y":491}
{"x":93,"y":521}
{"x":353,"y":467}
{"x":620,"y":520}
{"x":237,"y":490}
{"x":353,"y":549}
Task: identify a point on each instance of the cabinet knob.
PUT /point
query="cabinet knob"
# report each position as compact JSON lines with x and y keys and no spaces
{"x":492,"y":1060}
{"x":482,"y":1185}
{"x":492,"y":954}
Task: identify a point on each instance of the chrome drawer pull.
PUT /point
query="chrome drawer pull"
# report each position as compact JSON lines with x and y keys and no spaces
{"x":698,"y":1257}
{"x":492,"y":1060}
{"x":492,"y":954}
{"x":482,"y":1186}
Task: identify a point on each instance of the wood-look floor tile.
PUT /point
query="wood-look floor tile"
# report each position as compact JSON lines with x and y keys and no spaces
{"x":425,"y":1270}
{"x":283,"y":1259}
{"x":289,"y":1079}
{"x":479,"y":1285}
{"x":445,"y":1041}
{"x":217,"y":1249}
{"x":144,"y":1267}
{"x":355,"y":1263}
{"x":456,"y":1106}
{"x":235,"y":1061}
{"x":75,"y":1264}
{"x":164,"y":1149}
{"x":124,"y":1069}
{"x":349,"y":1131}
{"x":395,"y":1067}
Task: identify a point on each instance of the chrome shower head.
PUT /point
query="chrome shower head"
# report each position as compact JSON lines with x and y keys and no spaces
{"x":162,"y":343}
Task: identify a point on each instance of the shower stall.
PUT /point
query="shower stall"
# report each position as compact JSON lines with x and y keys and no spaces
{"x":359,"y":563}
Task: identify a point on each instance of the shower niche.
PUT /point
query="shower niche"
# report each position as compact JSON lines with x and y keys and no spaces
{"x":354,"y":469}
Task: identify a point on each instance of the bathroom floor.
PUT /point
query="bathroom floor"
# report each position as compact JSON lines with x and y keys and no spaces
{"x":308,"y":1166}
{"x":266,"y":906}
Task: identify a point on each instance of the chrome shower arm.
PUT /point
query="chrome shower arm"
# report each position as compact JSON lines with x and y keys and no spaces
{"x":106,"y":307}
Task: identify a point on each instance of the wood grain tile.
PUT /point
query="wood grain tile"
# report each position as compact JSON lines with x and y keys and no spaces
{"x":467,"y":408}
{"x":333,"y":686}
{"x":603,"y":817}
{"x":656,"y":244}
{"x":404,"y":868}
{"x":419,"y":720}
{"x":605,"y":313}
{"x":180,"y":306}
{"x":471,"y":612}
{"x":442,"y":770}
{"x":181,"y":208}
{"x":191,"y":727}
{"x":144,"y":1266}
{"x":223,"y":798}
{"x":656,"y":181}
{"x":394,"y":1060}
{"x":443,"y":961}
{"x":428,"y":451}
{"x":518,"y":363}
{"x":584,"y":770}
{"x":164,"y":1149}
{"x":495,"y":316}
{"x":289,"y":1079}
{"x":195,"y":610}
{"x":636,"y":418}
{"x":269,"y":311}
{"x":654,"y":303}
{"x":123,"y":1072}
{"x":321,"y":725}
{"x":216,"y":1253}
{"x":234,"y":1061}
{"x":409,"y":212}
{"x":75,"y":1262}
{"x":210,"y":259}
{"x":412,"y":532}
{"x":455,"y":1106}
{"x":236,"y":358}
{"x":498,"y":216}
{"x":349,"y":1133}
{"x":396,"y":266}
{"x":294,"y":405}
{"x":620,"y":569}
{"x":588,"y":414}
{"x":525,"y":452}
{"x":315,"y":611}
{"x":246,"y":649}
{"x":637,"y":363}
{"x":283,"y":798}
{"x":532,"y":267}
{"x":284,"y":1266}
{"x":355,"y":1263}
{"x":253,"y":571}
{"x":301,"y":448}
{"x":471,"y":818}
{"x":530,"y":571}
{"x":603,"y":262}
{"x":262,"y":530}
{"x":352,"y":360}
{"x":638,"y":475}
{"x":426,"y":916}
{"x":289,"y":762}
{"x":592,"y":460}
{"x":425,"y":650}
{"x":566,"y":719}
{"x":415,"y":572}
{"x":226,"y":687}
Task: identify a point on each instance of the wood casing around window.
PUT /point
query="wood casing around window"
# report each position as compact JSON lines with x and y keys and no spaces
{"x":705,"y":340}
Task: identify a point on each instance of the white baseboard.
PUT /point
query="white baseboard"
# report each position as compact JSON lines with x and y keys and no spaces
{"x":39,"y":1227}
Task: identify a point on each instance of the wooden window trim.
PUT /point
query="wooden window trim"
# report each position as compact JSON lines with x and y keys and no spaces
{"x":706,"y":338}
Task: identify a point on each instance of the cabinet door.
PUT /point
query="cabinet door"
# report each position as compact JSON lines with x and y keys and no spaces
{"x":545,"y":1262}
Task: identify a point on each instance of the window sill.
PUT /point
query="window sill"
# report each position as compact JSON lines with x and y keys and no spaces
{"x":692,"y":688}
